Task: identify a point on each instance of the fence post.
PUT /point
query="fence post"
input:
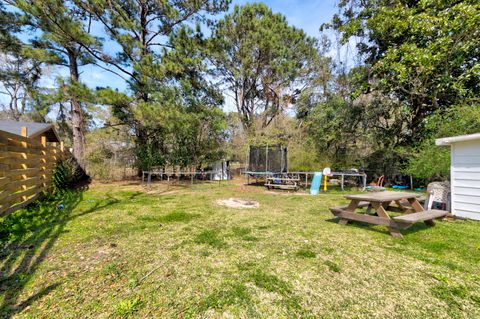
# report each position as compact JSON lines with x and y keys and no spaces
{"x":24,"y":133}
{"x":43,"y":160}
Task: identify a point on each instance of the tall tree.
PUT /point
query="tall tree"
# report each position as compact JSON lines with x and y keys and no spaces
{"x":19,"y":74}
{"x":422,"y":55}
{"x":262,"y":60}
{"x":160,"y":59}
{"x":63,"y":26}
{"x":19,"y":78}
{"x":142,"y":29}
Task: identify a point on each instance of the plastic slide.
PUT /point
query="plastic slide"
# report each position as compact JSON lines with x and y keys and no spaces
{"x":316,"y":182}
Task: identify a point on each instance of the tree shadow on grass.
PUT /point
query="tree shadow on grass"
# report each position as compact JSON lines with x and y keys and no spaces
{"x":26,"y":237}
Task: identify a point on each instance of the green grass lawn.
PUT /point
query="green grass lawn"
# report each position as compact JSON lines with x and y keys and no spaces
{"x":122,"y":251}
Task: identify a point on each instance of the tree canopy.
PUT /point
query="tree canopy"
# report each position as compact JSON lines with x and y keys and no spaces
{"x":420,"y":61}
{"x":423,"y":55}
{"x":262,"y":60}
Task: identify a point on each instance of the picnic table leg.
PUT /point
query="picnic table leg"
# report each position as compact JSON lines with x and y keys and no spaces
{"x":415,"y":205}
{"x":351,"y":208}
{"x":419,"y":208}
{"x":369,"y":209}
{"x":381,"y":212}
{"x":429,"y":223}
{"x":405,"y":210}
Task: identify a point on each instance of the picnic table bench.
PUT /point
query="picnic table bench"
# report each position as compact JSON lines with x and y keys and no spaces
{"x":381,"y":203}
{"x":282,"y":183}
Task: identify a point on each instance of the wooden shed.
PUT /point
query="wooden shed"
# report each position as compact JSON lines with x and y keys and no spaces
{"x":465,"y":174}
{"x":35,"y":131}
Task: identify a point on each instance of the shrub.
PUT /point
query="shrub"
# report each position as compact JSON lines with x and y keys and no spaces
{"x":67,"y":173}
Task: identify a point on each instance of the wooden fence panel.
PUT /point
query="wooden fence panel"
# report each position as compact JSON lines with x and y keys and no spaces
{"x":26,"y":167}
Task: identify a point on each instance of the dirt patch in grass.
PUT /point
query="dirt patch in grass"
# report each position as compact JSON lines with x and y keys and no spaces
{"x":238,"y":203}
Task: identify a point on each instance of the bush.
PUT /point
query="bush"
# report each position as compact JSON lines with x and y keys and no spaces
{"x":67,"y":174}
{"x":431,"y":162}
{"x":303,"y":158}
{"x":109,"y":154}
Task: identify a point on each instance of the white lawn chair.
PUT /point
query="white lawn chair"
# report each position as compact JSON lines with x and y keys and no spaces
{"x":438,"y":196}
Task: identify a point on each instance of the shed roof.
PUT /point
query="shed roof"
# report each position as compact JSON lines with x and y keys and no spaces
{"x":33,"y":129}
{"x":455,"y":139}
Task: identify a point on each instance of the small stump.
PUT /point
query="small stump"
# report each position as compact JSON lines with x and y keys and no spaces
{"x":238,"y":203}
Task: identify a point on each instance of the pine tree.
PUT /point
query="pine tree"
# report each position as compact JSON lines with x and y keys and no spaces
{"x":19,"y":74}
{"x":154,"y":41}
{"x":262,"y":60}
{"x":63,"y":26}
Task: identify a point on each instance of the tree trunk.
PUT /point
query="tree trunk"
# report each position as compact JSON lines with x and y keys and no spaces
{"x":142,"y":87}
{"x":78,"y":130}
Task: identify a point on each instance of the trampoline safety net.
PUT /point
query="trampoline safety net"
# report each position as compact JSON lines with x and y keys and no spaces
{"x":269,"y":158}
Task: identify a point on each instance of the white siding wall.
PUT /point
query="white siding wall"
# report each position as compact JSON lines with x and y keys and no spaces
{"x":465,"y":179}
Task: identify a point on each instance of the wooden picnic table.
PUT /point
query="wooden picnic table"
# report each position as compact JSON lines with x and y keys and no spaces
{"x":381,"y":203}
{"x":282,"y":182}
